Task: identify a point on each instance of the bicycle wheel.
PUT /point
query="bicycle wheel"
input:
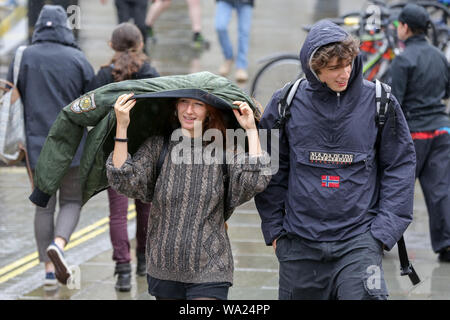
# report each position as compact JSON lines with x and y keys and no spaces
{"x":273,"y":75}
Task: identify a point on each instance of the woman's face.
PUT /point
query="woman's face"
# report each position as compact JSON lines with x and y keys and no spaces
{"x":191,"y":114}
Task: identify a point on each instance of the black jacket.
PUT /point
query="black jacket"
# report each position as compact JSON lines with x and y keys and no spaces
{"x":420,"y":80}
{"x":53,"y":73}
{"x":104,"y":75}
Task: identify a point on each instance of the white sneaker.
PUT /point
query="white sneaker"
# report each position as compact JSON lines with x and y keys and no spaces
{"x":241,"y":75}
{"x":225,"y":68}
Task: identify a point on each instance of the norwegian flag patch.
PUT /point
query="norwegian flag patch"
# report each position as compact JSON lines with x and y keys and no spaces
{"x":330,"y":181}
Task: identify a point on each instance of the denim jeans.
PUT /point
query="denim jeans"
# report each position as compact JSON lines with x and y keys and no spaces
{"x":118,"y":208}
{"x":222,"y":19}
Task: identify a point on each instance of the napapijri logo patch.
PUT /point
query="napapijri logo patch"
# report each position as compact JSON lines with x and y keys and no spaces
{"x":330,"y":158}
{"x":330,"y":181}
{"x":83,"y":104}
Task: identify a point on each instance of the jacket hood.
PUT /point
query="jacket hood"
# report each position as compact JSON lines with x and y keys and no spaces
{"x":52,"y":26}
{"x":322,"y":33}
{"x":214,"y":90}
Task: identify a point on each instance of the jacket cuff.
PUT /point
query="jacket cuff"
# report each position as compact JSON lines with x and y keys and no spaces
{"x":39,"y":198}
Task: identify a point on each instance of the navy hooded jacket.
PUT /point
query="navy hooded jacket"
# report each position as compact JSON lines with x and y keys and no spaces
{"x":53,"y":72}
{"x":333,"y":183}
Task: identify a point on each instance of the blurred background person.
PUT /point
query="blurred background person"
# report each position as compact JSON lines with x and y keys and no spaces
{"x":195,"y":14}
{"x":244,"y":9}
{"x":52,"y":53}
{"x":134,"y":10}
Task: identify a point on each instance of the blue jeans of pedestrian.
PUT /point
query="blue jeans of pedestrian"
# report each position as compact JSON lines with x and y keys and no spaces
{"x":222,"y":20}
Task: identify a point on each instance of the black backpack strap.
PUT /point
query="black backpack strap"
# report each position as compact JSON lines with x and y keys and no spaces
{"x":382,"y":94}
{"x":383,"y":101}
{"x":406,"y":268}
{"x":162,"y":156}
{"x":284,"y":104}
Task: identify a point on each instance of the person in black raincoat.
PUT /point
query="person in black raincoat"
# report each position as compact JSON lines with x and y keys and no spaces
{"x":420,"y":81}
{"x":53,"y":72}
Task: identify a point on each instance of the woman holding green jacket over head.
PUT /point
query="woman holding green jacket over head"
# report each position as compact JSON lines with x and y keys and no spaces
{"x":188,"y":249}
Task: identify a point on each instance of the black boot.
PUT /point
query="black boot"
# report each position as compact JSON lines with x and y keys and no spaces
{"x":123,"y":270}
{"x":141,"y":269}
{"x":444,"y":255}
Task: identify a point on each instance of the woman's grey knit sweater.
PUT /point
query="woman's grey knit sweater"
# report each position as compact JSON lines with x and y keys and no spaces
{"x":186,"y":239}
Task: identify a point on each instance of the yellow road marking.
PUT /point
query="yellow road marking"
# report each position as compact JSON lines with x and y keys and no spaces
{"x":76,"y":239}
{"x":7,"y":23}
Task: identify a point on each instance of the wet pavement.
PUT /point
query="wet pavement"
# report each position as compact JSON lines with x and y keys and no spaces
{"x":275,"y":29}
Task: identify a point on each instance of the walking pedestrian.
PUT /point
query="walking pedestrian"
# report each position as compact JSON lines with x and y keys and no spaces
{"x":420,"y":81}
{"x":134,"y":10}
{"x":244,"y":9}
{"x":195,"y":14}
{"x":128,"y":62}
{"x":339,"y":197}
{"x":44,"y":93}
{"x":188,"y":249}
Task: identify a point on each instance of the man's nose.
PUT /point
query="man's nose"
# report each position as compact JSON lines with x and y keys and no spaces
{"x":345,"y":73}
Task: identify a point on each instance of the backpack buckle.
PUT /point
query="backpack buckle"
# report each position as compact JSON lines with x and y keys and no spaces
{"x":404,"y":271}
{"x":381,"y":119}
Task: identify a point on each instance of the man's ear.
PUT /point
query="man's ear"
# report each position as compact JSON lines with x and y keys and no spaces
{"x":408,"y":29}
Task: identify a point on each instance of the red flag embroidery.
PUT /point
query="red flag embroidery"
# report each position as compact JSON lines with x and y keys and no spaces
{"x":330,"y":181}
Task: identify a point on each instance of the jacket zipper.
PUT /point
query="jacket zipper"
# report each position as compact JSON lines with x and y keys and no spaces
{"x":333,"y":117}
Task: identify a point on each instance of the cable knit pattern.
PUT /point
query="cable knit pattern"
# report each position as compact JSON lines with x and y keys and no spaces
{"x":186,"y":239}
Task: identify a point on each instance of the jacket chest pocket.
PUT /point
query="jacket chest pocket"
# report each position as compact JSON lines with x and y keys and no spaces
{"x":334,"y":181}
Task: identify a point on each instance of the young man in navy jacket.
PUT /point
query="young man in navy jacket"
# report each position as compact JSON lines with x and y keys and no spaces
{"x":339,"y":197}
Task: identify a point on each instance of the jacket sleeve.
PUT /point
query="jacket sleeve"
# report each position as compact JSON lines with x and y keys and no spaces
{"x":397,"y":161}
{"x":62,"y":143}
{"x":399,"y":72}
{"x":271,"y":202}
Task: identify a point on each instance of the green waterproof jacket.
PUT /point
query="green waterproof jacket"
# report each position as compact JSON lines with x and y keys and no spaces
{"x":95,"y":110}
